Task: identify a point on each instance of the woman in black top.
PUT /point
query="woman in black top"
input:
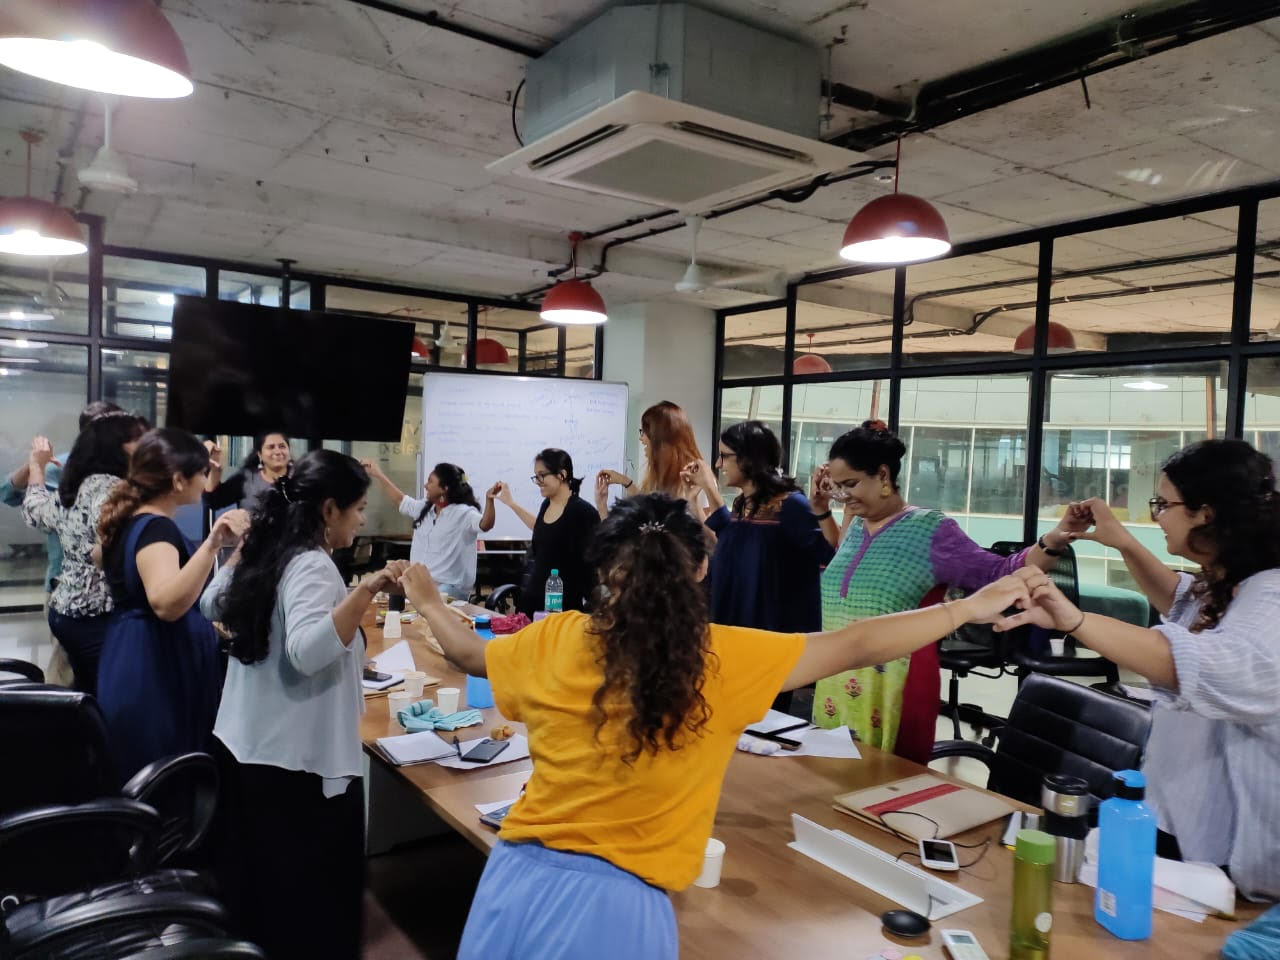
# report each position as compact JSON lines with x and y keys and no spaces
{"x":269,"y":462}
{"x":562,"y":530}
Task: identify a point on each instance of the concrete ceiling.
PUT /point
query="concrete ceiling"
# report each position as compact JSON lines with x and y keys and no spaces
{"x":355,"y":142}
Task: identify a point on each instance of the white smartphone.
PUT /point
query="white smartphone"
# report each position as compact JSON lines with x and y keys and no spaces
{"x":963,"y":945}
{"x":939,"y":855}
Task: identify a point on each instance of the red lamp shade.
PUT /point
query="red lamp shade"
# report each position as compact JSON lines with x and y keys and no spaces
{"x":38,"y":228}
{"x":1060,"y":339}
{"x":126,"y":47}
{"x":898,"y":228}
{"x":810,"y":363}
{"x":420,"y":348}
{"x":573,"y":302}
{"x":490,"y":351}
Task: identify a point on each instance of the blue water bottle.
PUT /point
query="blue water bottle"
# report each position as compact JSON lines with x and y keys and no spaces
{"x":1126,"y":859}
{"x":479,"y":693}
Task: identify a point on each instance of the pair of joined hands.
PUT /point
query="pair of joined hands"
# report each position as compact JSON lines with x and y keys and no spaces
{"x":413,"y":578}
{"x":1037,"y":598}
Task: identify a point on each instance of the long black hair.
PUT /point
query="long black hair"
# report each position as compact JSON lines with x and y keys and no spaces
{"x":869,"y":447}
{"x":558,"y":461}
{"x":652,"y":623}
{"x":288,"y":520}
{"x":759,"y":456}
{"x":253,"y":462}
{"x":1238,"y":485}
{"x":98,"y":408}
{"x":99,"y":449}
{"x":159,"y":455}
{"x":456,"y":489}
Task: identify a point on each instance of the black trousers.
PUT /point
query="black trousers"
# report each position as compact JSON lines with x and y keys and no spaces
{"x":81,"y":638}
{"x":291,"y":863}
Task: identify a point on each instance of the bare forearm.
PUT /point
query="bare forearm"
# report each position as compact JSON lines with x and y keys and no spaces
{"x":213,"y":480}
{"x":489,"y":517}
{"x":1142,"y":650}
{"x":392,"y":491}
{"x":460,"y":644}
{"x":830,"y":530}
{"x":527,"y":518}
{"x":713,"y":497}
{"x":19,"y":477}
{"x":172,"y":598}
{"x":348,"y":614}
{"x":1154,"y":579}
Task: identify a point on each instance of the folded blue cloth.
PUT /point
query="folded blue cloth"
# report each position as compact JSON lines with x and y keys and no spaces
{"x":1260,"y":940}
{"x":425,"y":715}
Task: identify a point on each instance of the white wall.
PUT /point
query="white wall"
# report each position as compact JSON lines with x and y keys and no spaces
{"x":663,"y":351}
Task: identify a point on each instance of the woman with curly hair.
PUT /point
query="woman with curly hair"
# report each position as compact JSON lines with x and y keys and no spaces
{"x":633,"y":714}
{"x":1213,"y":758}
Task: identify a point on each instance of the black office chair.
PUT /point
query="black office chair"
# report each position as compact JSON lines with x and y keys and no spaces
{"x":183,"y":790}
{"x":1027,"y":659}
{"x":503,"y":599}
{"x":202,"y":949}
{"x":14,"y":669}
{"x":1056,"y":726}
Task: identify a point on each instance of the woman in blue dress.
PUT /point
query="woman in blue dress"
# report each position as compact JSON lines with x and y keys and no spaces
{"x":160,"y":675}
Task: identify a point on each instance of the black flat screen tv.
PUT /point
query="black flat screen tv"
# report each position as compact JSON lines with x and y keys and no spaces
{"x":241,"y":369}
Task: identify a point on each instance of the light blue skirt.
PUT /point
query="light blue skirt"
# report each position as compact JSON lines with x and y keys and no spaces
{"x":535,"y":903}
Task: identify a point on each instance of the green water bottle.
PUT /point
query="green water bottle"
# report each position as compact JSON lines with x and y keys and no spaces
{"x":1032,"y":916}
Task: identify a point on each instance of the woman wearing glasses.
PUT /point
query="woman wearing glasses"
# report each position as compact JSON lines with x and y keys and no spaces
{"x":669,"y":444}
{"x":1213,"y":758}
{"x":894,"y":557}
{"x":562,"y":530}
{"x":769,"y":550}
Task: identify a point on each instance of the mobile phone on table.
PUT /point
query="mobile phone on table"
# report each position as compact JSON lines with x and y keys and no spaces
{"x":485,"y":750}
{"x":494,"y":818}
{"x":374,"y":676}
{"x":939,"y":855}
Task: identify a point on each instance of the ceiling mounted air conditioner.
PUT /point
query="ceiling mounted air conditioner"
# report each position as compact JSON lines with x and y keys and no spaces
{"x":654,"y":150}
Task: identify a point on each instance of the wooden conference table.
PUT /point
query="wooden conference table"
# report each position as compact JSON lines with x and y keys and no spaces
{"x":772,"y":902}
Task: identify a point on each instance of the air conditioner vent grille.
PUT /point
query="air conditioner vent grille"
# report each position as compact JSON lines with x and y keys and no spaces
{"x":724,"y":136}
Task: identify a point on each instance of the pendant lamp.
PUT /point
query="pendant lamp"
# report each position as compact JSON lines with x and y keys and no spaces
{"x":573,"y":301}
{"x":810,"y":362}
{"x":126,"y":47}
{"x":899,"y":228}
{"x":1060,"y":339}
{"x":490,"y":352}
{"x":32,"y":227}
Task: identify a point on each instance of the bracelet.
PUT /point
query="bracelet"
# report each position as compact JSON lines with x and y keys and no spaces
{"x":627,"y":485}
{"x":821,"y":516}
{"x":1049,"y":550}
{"x":1078,"y":625}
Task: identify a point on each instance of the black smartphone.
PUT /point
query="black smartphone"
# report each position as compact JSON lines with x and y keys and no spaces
{"x":485,"y":750}
{"x":373,"y":675}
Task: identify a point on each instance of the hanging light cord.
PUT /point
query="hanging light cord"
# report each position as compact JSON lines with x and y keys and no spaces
{"x":897,"y":165}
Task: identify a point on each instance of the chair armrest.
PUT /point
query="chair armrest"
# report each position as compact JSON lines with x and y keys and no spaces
{"x":964,"y":748}
{"x":118,"y":917}
{"x":184,"y":791}
{"x":22,"y":668}
{"x":499,"y":594}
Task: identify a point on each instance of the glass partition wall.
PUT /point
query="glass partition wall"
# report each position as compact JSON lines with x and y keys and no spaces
{"x":1026,"y":372}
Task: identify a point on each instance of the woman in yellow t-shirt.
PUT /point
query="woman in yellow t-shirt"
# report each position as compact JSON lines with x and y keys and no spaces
{"x":633,"y":713}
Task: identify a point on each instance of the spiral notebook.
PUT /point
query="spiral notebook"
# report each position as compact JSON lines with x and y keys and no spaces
{"x":923,"y":807}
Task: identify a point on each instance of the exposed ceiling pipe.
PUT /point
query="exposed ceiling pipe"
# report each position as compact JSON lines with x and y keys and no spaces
{"x":432,"y":18}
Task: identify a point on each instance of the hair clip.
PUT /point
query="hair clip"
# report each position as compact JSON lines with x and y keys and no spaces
{"x":652,"y":527}
{"x":283,"y":487}
{"x":878,"y":425}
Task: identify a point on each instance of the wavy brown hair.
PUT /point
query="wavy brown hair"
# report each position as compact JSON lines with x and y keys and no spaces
{"x":1238,"y":485}
{"x":671,"y":447}
{"x":652,"y":625}
{"x":159,"y":455}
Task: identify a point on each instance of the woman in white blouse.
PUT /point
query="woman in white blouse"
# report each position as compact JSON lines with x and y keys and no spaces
{"x":447,"y":524}
{"x":81,"y":600}
{"x":292,"y":851}
{"x":1213,"y":758}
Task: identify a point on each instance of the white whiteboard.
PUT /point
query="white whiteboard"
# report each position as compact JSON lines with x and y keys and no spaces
{"x":493,"y":427}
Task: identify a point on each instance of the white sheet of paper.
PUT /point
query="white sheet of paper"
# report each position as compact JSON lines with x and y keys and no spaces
{"x":814,"y":742}
{"x":484,"y":808}
{"x":519,"y":750}
{"x":396,"y":660}
{"x":1188,"y":890}
{"x":416,"y":747}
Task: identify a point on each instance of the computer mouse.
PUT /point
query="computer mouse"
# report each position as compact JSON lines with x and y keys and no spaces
{"x":905,"y":923}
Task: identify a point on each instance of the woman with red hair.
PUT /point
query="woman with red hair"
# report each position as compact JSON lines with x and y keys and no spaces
{"x":669,"y":444}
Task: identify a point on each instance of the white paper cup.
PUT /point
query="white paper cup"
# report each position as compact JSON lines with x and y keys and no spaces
{"x":397,"y":701}
{"x":414,"y":681}
{"x":447,"y":699}
{"x":1058,"y":646}
{"x":712,"y":861}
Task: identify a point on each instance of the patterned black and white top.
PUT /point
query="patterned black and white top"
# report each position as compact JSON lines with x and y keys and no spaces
{"x":82,"y":589}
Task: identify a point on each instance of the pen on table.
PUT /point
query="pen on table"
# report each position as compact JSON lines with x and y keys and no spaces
{"x":775,"y":735}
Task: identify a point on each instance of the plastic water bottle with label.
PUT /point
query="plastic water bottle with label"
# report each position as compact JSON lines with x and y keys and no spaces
{"x":1126,"y":859}
{"x":479,"y":693}
{"x":554,"y":597}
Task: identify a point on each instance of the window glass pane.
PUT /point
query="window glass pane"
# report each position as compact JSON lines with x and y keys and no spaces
{"x":754,"y":344}
{"x":580,"y":352}
{"x":747,"y":403}
{"x":1264,"y":314}
{"x":138,"y":295}
{"x":963,"y":309}
{"x":44,"y":296}
{"x":820,"y":412}
{"x":1106,"y":434}
{"x":399,"y":461}
{"x":138,"y":381}
{"x":966,"y":451}
{"x":845,"y":324}
{"x":42,"y":391}
{"x":249,"y":288}
{"x":1151,"y":285}
{"x":441,"y":325}
{"x":501,"y":332}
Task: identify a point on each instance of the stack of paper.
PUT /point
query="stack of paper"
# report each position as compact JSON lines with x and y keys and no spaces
{"x":396,"y":660}
{"x":814,"y":742}
{"x":416,"y":747}
{"x":1189,"y":890}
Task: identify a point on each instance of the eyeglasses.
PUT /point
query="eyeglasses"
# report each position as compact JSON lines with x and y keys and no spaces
{"x":540,"y":478}
{"x":721,"y":455}
{"x":1159,"y":505}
